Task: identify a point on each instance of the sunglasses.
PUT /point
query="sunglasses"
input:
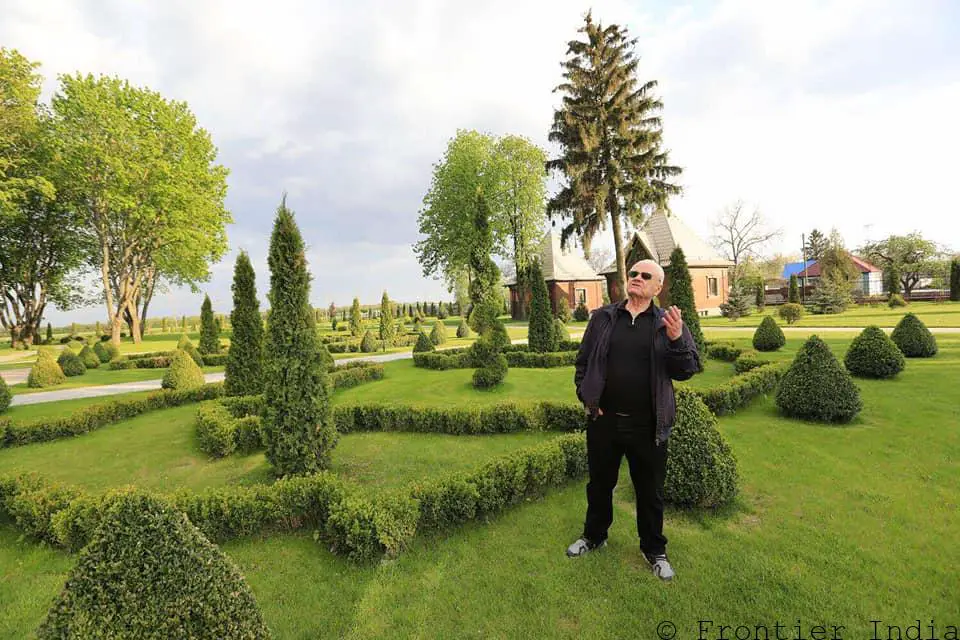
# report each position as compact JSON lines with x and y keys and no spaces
{"x":643,"y":274}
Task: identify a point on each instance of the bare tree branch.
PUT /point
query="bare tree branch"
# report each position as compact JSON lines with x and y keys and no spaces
{"x":739,"y":235}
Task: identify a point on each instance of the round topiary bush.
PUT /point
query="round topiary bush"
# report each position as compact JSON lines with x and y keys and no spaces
{"x":463,"y":329}
{"x":768,"y":336}
{"x":71,"y":364}
{"x":5,"y":395}
{"x":148,"y":572}
{"x":423,"y":344}
{"x":790,"y":312}
{"x":183,"y":373}
{"x":701,"y":468}
{"x":89,"y":357}
{"x":816,"y":387}
{"x":45,"y":372}
{"x":438,"y":335}
{"x":872,"y":354}
{"x":913,"y":338}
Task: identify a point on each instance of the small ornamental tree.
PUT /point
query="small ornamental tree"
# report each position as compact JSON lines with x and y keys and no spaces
{"x":681,"y":295}
{"x":791,"y":312}
{"x":737,"y":304}
{"x":913,"y":338}
{"x":298,"y":429}
{"x":768,"y":336}
{"x":209,"y":333}
{"x":872,"y":354}
{"x":148,"y":572}
{"x":438,"y":335}
{"x":541,"y":335}
{"x":463,"y":329}
{"x":243,"y":374}
{"x":794,"y":293}
{"x":424,"y":344}
{"x":816,"y":387}
{"x":387,"y":327}
{"x":368,"y":343}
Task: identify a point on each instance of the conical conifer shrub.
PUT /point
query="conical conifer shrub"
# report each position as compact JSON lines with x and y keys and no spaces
{"x":816,"y":387}
{"x":913,"y":338}
{"x":872,"y":354}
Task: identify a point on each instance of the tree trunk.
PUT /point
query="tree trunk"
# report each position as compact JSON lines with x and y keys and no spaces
{"x":615,"y":223}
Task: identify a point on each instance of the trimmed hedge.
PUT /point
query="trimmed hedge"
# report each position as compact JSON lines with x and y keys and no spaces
{"x":742,"y":389}
{"x":516,"y":357}
{"x":13,"y":434}
{"x":350,"y":376}
{"x":149,"y":572}
{"x":162,"y":361}
{"x":747,"y":361}
{"x":723,"y":351}
{"x":502,"y":418}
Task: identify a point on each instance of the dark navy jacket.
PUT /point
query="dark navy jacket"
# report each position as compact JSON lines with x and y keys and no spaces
{"x":671,"y":360}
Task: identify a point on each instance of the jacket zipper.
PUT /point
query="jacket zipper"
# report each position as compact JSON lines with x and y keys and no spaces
{"x":653,"y":381}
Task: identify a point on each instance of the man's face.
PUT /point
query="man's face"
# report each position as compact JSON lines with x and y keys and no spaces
{"x":643,"y":280}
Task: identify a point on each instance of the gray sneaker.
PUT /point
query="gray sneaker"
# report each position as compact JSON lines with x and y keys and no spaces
{"x":661,"y":566}
{"x":582,"y":547}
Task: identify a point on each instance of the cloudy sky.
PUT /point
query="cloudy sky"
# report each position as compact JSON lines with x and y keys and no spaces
{"x":822,"y":114}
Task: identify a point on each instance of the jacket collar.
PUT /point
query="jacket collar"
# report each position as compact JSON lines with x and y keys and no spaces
{"x":612,"y":309}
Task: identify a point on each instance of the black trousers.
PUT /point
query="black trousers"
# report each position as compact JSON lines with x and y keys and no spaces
{"x":609,"y":438}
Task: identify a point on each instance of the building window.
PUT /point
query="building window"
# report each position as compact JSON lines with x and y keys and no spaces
{"x":582,"y":297}
{"x":712,"y":288}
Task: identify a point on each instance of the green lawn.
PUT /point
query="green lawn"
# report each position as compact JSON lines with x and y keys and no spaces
{"x":102,"y":376}
{"x":833,"y":526}
{"x":933,"y":314}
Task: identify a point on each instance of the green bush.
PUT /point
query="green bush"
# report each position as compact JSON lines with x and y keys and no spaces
{"x":183,"y":341}
{"x":816,"y":387}
{"x":100,"y":348}
{"x":45,"y":372}
{"x":438,"y":335}
{"x":747,"y":361}
{"x":509,"y":417}
{"x":71,"y":364}
{"x":580,"y":314}
{"x":5,"y":397}
{"x":194,"y":354}
{"x":113,"y":351}
{"x":742,"y":389}
{"x":913,"y":338}
{"x":215,"y":429}
{"x":896,"y":300}
{"x":872,"y":354}
{"x":209,"y":332}
{"x":183,"y":373}
{"x":790,"y":312}
{"x":424,"y":344}
{"x":367,"y":344}
{"x":345,"y":377}
{"x":560,"y":333}
{"x":89,"y":357}
{"x":491,"y":365}
{"x":149,"y":572}
{"x":723,"y":351}
{"x":541,"y":334}
{"x":768,"y":336}
{"x":701,"y":468}
{"x":463,"y":329}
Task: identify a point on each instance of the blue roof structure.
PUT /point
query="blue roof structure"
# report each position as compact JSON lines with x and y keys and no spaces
{"x":796,"y":268}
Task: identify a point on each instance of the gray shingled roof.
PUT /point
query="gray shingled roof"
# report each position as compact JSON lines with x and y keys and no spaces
{"x":661,"y":234}
{"x":560,"y":265}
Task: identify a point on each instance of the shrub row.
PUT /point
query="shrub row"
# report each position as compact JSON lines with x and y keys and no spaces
{"x":742,"y":389}
{"x":520,"y":358}
{"x":501,"y":418}
{"x":747,"y":361}
{"x":723,"y":351}
{"x":163,"y":361}
{"x":352,"y":523}
{"x":354,"y":373}
{"x":81,"y":421}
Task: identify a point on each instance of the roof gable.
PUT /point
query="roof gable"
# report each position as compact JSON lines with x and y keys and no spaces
{"x":562,"y":265}
{"x":662,"y":233}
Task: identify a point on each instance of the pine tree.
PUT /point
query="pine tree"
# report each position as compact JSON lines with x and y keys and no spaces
{"x":387,"y":327}
{"x":681,"y":295}
{"x":955,"y":279}
{"x":816,"y":245}
{"x":244,"y":371}
{"x":297,"y":421}
{"x":356,"y":319}
{"x":209,"y":337}
{"x":760,"y":299}
{"x":541,"y":336}
{"x":49,"y":333}
{"x":794,"y":294}
{"x":737,"y":304}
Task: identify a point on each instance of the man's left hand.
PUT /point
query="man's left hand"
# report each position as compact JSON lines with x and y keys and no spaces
{"x":673,"y":322}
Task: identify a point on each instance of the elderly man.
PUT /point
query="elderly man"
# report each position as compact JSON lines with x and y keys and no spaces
{"x":630,"y":354}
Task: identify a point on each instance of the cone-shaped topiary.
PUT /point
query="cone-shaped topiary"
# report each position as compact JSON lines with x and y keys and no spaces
{"x":183,"y":372}
{"x":5,"y":395}
{"x":183,"y":341}
{"x":438,"y":335}
{"x":209,"y":331}
{"x":768,"y":336}
{"x":368,"y":342}
{"x":71,"y":364}
{"x":681,"y":295}
{"x":913,"y":338}
{"x":89,"y":357}
{"x":243,"y":375}
{"x":388,"y":327}
{"x":816,"y":387}
{"x":872,"y":354}
{"x":424,"y":344}
{"x":541,"y":334}
{"x":701,"y":468}
{"x":463,"y":329}
{"x":297,"y":425}
{"x":148,"y":572}
{"x":45,"y":372}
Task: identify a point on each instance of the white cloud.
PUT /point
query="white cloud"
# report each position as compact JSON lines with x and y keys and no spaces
{"x":824,"y":114}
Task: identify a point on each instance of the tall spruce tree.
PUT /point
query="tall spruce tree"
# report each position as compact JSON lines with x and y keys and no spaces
{"x":209,"y":335}
{"x":356,"y":319}
{"x":541,"y":335}
{"x":610,"y":137}
{"x":681,"y":295}
{"x":387,"y":326}
{"x":297,"y":423}
{"x":484,"y":297}
{"x":955,"y":279}
{"x":244,"y":371}
{"x":794,"y":294}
